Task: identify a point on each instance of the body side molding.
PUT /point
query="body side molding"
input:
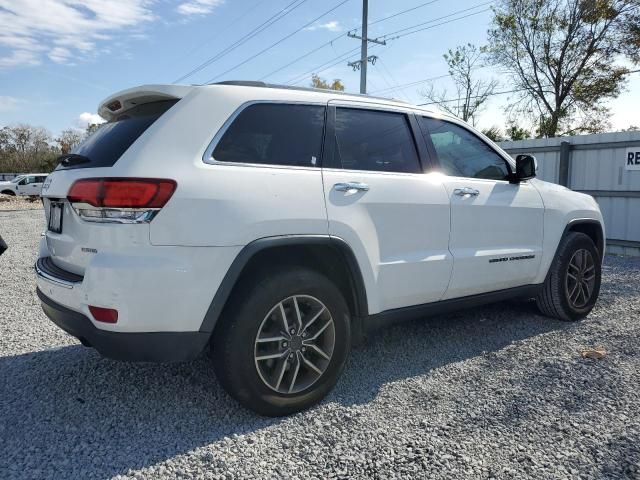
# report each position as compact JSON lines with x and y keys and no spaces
{"x":441,"y":307}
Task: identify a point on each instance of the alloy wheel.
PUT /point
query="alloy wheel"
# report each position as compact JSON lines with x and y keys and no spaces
{"x":294,"y":344}
{"x":581,"y":278}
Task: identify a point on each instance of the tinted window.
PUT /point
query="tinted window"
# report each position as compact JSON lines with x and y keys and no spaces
{"x":107,"y":144}
{"x":274,"y":134}
{"x":371,"y":140}
{"x":461,"y":153}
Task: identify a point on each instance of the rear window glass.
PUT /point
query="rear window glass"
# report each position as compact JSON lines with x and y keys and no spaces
{"x":107,"y":144}
{"x":274,"y":134}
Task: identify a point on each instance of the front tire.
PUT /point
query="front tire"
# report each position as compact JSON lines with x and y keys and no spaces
{"x":571,"y":288}
{"x":9,"y":192}
{"x":283,"y":341}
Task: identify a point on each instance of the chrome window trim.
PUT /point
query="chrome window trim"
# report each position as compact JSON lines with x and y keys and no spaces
{"x":209,"y":159}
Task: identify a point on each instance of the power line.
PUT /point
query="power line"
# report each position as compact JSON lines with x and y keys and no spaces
{"x":252,"y":8}
{"x":298,"y":78}
{"x":387,"y":35}
{"x":473,"y":96}
{"x":314,"y":50}
{"x":279,"y":41}
{"x":397,"y":14}
{"x":310,"y":52}
{"x":402,"y":86}
{"x":245,"y":38}
{"x":398,"y":91}
{"x":320,"y":68}
{"x":497,"y":93}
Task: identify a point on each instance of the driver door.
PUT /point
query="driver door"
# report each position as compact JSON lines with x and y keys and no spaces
{"x":496,"y":226}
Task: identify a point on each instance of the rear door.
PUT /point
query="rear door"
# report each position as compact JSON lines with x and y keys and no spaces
{"x":379,"y":200}
{"x":496,"y":226}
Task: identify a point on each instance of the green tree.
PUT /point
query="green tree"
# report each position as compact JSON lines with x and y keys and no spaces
{"x":318,"y":82}
{"x":514,"y":132}
{"x":25,"y":148}
{"x":561,"y":56}
{"x":494,"y":134}
{"x":471,"y":92}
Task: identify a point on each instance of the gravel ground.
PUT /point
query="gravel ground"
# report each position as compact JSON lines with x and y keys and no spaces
{"x":11,"y":202}
{"x":496,"y":392}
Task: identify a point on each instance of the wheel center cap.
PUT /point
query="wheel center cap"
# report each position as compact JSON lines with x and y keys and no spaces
{"x":296,"y":342}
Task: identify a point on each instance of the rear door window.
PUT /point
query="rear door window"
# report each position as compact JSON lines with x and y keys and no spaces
{"x":375,"y":141}
{"x":107,"y":144}
{"x":274,"y":134}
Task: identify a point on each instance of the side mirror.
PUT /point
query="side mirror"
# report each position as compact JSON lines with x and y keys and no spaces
{"x":526,"y":167}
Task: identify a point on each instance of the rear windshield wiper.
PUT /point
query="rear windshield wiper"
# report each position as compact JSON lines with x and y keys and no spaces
{"x":70,"y":159}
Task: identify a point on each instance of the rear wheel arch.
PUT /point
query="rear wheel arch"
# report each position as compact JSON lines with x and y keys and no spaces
{"x":330,"y":256}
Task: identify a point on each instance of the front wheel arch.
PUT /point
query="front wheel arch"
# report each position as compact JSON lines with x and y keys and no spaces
{"x":591,"y":228}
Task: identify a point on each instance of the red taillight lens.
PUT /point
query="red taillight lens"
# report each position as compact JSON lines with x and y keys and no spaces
{"x":122,"y":192}
{"x":106,"y":315}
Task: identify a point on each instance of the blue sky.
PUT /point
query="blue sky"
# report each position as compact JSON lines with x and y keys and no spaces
{"x":60,"y":58}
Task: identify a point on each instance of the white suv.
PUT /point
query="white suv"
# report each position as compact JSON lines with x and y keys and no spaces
{"x":29,"y":184}
{"x":277,"y":224}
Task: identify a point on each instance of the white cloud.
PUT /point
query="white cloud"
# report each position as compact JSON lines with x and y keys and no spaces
{"x":85,"y":119}
{"x":59,"y":54}
{"x":19,"y":57}
{"x":64,"y":30}
{"x":198,"y":7}
{"x":332,"y":26}
{"x":8,"y":103}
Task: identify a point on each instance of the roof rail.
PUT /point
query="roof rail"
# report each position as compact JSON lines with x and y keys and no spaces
{"x":253,"y":83}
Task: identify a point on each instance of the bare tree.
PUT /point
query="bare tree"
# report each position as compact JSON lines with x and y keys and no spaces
{"x":561,"y":56}
{"x":471,"y":92}
{"x":68,"y":139}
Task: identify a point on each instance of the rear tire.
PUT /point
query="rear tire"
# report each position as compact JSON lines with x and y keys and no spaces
{"x":307,"y":352}
{"x":571,"y":288}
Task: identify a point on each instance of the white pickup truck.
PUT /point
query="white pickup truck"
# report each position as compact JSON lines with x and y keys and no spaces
{"x":29,"y":184}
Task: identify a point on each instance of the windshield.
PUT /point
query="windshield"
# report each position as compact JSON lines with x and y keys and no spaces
{"x":17,"y":179}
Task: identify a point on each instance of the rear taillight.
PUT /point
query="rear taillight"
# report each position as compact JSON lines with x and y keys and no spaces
{"x":122,"y":200}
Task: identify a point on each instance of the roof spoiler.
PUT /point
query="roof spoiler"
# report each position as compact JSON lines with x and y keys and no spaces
{"x":124,"y":100}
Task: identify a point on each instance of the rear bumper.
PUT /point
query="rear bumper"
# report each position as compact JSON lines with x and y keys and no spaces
{"x":129,"y":346}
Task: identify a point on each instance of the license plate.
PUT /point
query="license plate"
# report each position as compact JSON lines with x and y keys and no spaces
{"x":55,"y":217}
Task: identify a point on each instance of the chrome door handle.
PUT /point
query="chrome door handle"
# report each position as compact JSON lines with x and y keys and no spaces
{"x":463,"y":192}
{"x":351,"y":186}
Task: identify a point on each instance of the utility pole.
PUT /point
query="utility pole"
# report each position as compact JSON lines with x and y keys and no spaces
{"x":364,"y":58}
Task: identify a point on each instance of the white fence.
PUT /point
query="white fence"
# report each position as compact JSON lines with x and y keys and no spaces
{"x":606,"y":166}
